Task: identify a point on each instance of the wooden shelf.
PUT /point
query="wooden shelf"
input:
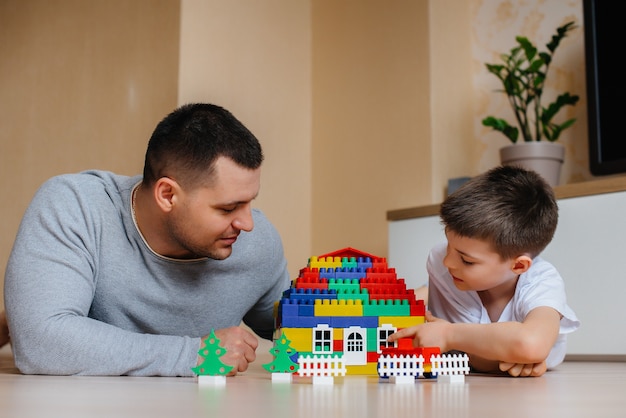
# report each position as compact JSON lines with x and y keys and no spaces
{"x":604,"y":185}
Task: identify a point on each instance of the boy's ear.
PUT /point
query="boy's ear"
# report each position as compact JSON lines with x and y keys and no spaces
{"x":521,"y":264}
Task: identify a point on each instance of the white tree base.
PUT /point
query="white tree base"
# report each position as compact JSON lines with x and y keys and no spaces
{"x":323,"y":380}
{"x":455,"y":378}
{"x":212,"y":380}
{"x":402,"y":380}
{"x":282,"y":377}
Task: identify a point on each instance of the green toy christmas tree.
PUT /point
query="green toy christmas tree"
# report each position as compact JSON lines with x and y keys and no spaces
{"x":211,"y":353}
{"x":282,"y":352}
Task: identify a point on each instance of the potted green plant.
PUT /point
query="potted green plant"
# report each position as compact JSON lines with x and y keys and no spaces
{"x":523,"y":73}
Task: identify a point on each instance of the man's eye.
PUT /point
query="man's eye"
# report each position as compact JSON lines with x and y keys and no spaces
{"x":229,"y":209}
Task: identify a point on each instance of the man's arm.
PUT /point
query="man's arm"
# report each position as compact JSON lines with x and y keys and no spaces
{"x":49,"y":289}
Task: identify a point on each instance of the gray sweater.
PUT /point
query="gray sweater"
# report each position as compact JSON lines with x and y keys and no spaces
{"x":85,"y":295}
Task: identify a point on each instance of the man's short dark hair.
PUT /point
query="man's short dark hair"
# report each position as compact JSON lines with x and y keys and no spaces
{"x":186,"y":143}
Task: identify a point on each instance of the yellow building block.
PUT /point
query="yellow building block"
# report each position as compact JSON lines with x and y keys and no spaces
{"x":338,"y":334}
{"x":341,"y":307}
{"x":301,"y":338}
{"x":325,"y":262}
{"x":366,"y":369}
{"x":401,"y":321}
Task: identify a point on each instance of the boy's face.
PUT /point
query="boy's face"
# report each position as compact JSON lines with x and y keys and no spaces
{"x":474,"y":265}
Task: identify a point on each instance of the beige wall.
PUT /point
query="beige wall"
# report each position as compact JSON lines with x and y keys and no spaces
{"x":454,"y":150}
{"x":365,"y":106}
{"x":82,"y":85}
{"x":494,"y":25}
{"x":371,"y":118}
{"x":464,"y":35}
{"x":254,"y":58}
{"x":362,"y":106}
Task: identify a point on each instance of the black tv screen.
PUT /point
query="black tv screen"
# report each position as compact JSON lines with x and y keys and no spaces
{"x":603,"y":22}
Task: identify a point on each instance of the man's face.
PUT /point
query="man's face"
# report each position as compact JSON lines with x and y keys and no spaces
{"x":206,"y":221}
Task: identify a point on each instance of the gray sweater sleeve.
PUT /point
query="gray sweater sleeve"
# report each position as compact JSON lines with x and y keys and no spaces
{"x":49,"y":287}
{"x":82,"y":297}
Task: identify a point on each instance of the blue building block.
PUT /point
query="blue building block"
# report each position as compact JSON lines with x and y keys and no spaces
{"x":306,"y":308}
{"x":304,"y":321}
{"x":351,"y":273}
{"x":353,"y":321}
{"x":364,"y":262}
{"x":289,"y":307}
{"x":311,"y":294}
{"x":327,"y":273}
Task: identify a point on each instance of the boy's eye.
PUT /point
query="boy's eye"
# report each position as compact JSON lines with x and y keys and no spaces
{"x":467,"y":263}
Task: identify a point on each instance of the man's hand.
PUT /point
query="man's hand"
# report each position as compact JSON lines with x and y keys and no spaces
{"x":524,"y":370}
{"x":240,"y":346}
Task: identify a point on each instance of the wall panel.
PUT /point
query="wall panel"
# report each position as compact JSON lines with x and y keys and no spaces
{"x":82,"y":85}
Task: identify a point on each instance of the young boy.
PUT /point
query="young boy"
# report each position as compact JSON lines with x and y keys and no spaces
{"x":489,"y":294}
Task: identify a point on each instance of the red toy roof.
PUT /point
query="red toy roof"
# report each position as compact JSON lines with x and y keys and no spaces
{"x":349,"y":252}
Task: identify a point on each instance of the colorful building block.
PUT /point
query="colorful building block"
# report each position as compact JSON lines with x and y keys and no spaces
{"x":348,"y":302}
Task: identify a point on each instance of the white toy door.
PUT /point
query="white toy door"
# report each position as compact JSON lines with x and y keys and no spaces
{"x":354,"y":346}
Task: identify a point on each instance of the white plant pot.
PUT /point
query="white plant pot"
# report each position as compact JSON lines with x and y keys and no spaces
{"x":546,"y":158}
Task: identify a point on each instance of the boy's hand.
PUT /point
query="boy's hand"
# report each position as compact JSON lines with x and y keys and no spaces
{"x":524,"y":370}
{"x":433,"y":333}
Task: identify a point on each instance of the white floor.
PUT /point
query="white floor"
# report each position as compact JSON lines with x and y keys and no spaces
{"x":574,"y":389}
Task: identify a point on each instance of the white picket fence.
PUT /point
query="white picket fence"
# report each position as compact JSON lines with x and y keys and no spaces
{"x":321,"y":365}
{"x":450,"y":364}
{"x":412,"y":365}
{"x":394,"y":365}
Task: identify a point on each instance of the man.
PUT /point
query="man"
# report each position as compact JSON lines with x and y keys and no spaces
{"x":115,"y":275}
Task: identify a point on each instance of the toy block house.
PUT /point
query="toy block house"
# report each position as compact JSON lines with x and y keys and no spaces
{"x":347,"y":303}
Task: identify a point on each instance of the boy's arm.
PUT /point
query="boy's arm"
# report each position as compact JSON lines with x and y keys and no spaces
{"x":524,"y":342}
{"x":527,"y":342}
{"x":480,"y":364}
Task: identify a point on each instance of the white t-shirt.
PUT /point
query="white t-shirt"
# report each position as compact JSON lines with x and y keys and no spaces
{"x":541,"y":285}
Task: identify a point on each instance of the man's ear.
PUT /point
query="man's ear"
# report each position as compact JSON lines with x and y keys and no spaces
{"x":521,"y":264}
{"x":166,"y":193}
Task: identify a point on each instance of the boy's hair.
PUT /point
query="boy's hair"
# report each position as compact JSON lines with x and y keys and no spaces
{"x":186,"y":143}
{"x":509,"y":207}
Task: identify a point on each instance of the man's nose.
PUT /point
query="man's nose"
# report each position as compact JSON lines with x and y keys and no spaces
{"x":244,"y":221}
